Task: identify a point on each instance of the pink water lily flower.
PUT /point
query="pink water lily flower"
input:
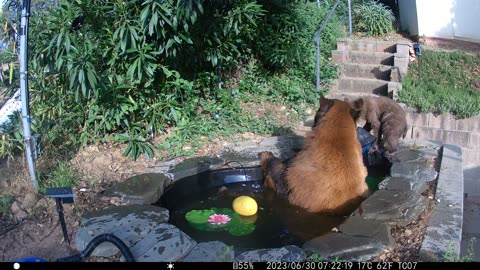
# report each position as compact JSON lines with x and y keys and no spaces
{"x":219,"y":219}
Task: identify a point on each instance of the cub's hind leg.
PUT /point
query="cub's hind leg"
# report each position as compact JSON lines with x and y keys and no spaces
{"x":274,"y":173}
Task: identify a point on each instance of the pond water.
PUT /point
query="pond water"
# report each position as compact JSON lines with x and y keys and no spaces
{"x":277,"y":222}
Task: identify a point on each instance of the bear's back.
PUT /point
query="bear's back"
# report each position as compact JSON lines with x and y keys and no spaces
{"x":328,"y":175}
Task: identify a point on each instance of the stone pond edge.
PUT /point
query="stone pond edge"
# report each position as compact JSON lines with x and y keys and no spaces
{"x":449,"y":202}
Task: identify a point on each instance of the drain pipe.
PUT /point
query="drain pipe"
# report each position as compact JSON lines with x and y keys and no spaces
{"x":27,"y":136}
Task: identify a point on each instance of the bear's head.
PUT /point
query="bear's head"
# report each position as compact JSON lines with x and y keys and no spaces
{"x":327,"y":104}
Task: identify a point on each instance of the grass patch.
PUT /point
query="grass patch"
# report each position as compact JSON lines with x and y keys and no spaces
{"x":63,"y":175}
{"x":444,"y":82}
{"x":5,"y":202}
{"x":450,"y":255}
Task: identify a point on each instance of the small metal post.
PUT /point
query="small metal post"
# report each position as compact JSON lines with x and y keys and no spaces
{"x":65,"y":195}
{"x":58,"y":201}
{"x":317,"y":84}
{"x":316,"y":40}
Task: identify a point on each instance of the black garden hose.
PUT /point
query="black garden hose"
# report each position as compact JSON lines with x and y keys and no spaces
{"x":97,"y":241}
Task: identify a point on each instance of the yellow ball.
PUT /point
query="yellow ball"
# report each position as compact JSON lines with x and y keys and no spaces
{"x":245,"y":206}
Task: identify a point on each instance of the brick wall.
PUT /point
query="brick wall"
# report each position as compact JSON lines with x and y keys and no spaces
{"x":444,"y":127}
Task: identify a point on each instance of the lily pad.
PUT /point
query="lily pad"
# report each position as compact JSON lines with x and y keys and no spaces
{"x":199,"y":216}
{"x":237,"y":226}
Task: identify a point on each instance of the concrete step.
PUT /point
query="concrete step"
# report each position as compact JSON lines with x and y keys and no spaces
{"x":371,"y":58}
{"x":366,"y":45}
{"x":360,"y":85}
{"x":379,"y":72}
{"x":457,"y":137}
{"x":345,"y":95}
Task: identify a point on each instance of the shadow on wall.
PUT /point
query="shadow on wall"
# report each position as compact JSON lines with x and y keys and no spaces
{"x":471,"y":177}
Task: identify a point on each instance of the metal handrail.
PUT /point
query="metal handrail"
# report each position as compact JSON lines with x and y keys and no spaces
{"x":319,"y":31}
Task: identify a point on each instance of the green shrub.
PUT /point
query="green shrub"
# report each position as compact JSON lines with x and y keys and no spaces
{"x":138,"y":68}
{"x":286,"y":37}
{"x":116,"y":80}
{"x":373,"y":18}
{"x":5,"y":204}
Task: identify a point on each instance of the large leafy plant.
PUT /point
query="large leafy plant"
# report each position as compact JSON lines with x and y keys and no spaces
{"x":113,"y":79}
{"x":373,"y":18}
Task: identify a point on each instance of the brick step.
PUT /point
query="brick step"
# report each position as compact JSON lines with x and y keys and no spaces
{"x":462,"y":138}
{"x":371,"y":58}
{"x":378,"y":72}
{"x":360,"y":85}
{"x":441,"y":121}
{"x":366,"y":45}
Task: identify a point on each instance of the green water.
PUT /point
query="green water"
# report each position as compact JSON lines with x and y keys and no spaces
{"x":373,"y":181}
{"x":277,"y":222}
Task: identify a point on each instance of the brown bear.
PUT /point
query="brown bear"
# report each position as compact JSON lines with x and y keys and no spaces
{"x":387,"y":120}
{"x":328,"y":174}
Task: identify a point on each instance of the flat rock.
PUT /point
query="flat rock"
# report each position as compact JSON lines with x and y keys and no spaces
{"x":444,"y":231}
{"x":284,"y":254}
{"x":165,"y":243}
{"x":140,"y":189}
{"x":161,"y":166}
{"x":290,"y":141}
{"x":393,"y":206}
{"x":129,"y":223}
{"x":341,"y":246}
{"x":243,"y":158}
{"x":403,"y":184}
{"x":415,"y":170}
{"x":195,"y":165}
{"x":214,"y":251}
{"x":358,"y":226}
{"x":283,"y":147}
{"x":419,"y":144}
{"x":417,"y":153}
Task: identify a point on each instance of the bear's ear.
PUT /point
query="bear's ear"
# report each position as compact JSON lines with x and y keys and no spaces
{"x":325,"y":103}
{"x":355,"y":114}
{"x":322,"y":100}
{"x":358,"y":104}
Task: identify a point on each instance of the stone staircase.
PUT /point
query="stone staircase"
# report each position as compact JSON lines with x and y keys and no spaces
{"x":369,"y":68}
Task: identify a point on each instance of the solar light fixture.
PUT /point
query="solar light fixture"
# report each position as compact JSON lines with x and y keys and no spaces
{"x":61,"y":195}
{"x":417,"y":47}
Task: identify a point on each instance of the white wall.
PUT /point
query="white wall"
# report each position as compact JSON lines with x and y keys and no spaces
{"x":435,"y":18}
{"x":441,"y":18}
